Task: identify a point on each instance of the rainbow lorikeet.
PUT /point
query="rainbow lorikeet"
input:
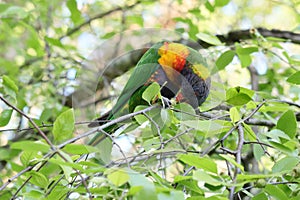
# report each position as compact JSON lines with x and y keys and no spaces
{"x":180,"y":71}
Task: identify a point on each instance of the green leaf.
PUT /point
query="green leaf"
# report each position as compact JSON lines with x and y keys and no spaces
{"x":232,"y":161}
{"x":204,"y":177}
{"x":140,"y":118}
{"x":119,"y":177}
{"x":179,"y":178}
{"x":172,"y":195}
{"x":260,"y":196}
{"x":135,"y":19}
{"x":225,"y":59}
{"x":206,"y":126}
{"x":63,"y":126}
{"x":38,"y":179}
{"x":5,"y":116}
{"x":239,"y":96}
{"x":276,"y":192}
{"x":288,"y":124}
{"x":294,"y":78}
{"x":258,"y":152}
{"x":46,"y":114}
{"x":246,"y":50}
{"x":210,"y":39}
{"x":166,"y":116}
{"x":186,"y":111}
{"x":27,"y":157}
{"x":145,"y":188}
{"x":66,"y":165}
{"x":245,"y":59}
{"x":79,"y":149}
{"x":14,"y":12}
{"x":108,"y":35}
{"x":244,"y":54}
{"x":249,"y":133}
{"x":199,"y":162}
{"x":54,"y":41}
{"x":4,"y":154}
{"x":221,"y":3}
{"x":105,"y":149}
{"x":281,"y":147}
{"x":209,"y":7}
{"x":151,"y":92}
{"x":31,"y":146}
{"x":8,"y":82}
{"x":276,"y":134}
{"x":239,"y":99}
{"x":234,"y":114}
{"x":10,"y":88}
{"x":287,"y":163}
{"x":75,"y":13}
{"x":257,"y":176}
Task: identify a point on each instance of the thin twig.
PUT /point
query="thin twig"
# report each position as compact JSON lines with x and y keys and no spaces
{"x":178,"y":135}
{"x":214,"y":144}
{"x":157,"y":128}
{"x":110,"y":123}
{"x":113,"y":141}
{"x":31,"y":121}
{"x":260,"y":143}
{"x":93,"y":131}
{"x":98,"y":16}
{"x":238,"y":158}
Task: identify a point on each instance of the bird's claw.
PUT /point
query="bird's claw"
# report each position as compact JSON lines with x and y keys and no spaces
{"x":166,"y":102}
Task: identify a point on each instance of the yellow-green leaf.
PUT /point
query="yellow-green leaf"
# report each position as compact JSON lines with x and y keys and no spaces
{"x":63,"y":126}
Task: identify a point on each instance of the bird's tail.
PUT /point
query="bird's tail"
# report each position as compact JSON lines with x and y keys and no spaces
{"x":100,"y":121}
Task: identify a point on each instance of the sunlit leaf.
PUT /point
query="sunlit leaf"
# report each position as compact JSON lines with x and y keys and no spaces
{"x":275,"y":192}
{"x":287,"y":123}
{"x":234,"y":114}
{"x":210,"y":39}
{"x":27,"y":157}
{"x":151,"y":92}
{"x":118,"y":177}
{"x":232,"y":161}
{"x":75,"y":13}
{"x":221,"y":3}
{"x":64,"y":125}
{"x":287,"y":163}
{"x":5,"y":116}
{"x":145,"y":188}
{"x":294,"y":78}
{"x":204,"y":163}
{"x":239,"y":96}
{"x":14,"y":12}
{"x":225,"y":59}
{"x":54,"y":42}
{"x":38,"y":179}
{"x":135,"y":19}
{"x":79,"y":149}
{"x":202,"y":176}
{"x":206,"y":126}
{"x":31,"y":146}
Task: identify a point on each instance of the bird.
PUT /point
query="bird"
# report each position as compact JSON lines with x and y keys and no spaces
{"x":181,"y":72}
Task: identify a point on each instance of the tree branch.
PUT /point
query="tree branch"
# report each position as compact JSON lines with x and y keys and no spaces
{"x":238,"y":35}
{"x":215,"y":144}
{"x":31,"y":121}
{"x":98,"y":16}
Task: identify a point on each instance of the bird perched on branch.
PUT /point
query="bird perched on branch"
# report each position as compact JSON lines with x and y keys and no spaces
{"x":181,"y":72}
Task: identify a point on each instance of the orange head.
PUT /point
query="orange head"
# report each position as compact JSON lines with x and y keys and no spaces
{"x":173,"y":55}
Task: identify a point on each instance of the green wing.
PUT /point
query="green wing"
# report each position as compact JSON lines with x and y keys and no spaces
{"x":147,"y":65}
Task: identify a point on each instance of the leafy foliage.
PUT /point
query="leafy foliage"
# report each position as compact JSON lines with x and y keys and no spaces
{"x":243,"y":143}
